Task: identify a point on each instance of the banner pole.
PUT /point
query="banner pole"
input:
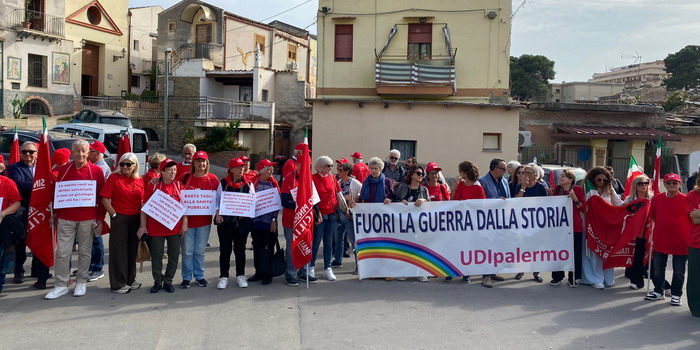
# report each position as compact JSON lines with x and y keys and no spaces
{"x":307,"y":275}
{"x":651,"y":249}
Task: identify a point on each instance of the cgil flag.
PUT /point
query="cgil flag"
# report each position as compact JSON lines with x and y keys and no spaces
{"x":40,"y":238}
{"x":633,"y":171}
{"x":657,"y":168}
{"x":303,"y":228}
{"x":14,"y":151}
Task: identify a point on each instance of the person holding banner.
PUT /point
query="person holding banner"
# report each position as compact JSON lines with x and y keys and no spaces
{"x":97,"y":263}
{"x":640,"y":189}
{"x":233,"y":230}
{"x":11,"y":202}
{"x":377,"y":188}
{"x":692,"y":201}
{"x":78,"y":215}
{"x":411,"y":190}
{"x":467,"y":183}
{"x":350,"y":187}
{"x":264,"y":227}
{"x":159,"y":233}
{"x":516,"y":179}
{"x":122,"y":196}
{"x":592,"y":271}
{"x":531,"y":187}
{"x":566,"y":187}
{"x":327,"y":221}
{"x":437,"y":190}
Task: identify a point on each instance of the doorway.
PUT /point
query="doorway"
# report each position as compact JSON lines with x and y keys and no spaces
{"x":89,"y":79}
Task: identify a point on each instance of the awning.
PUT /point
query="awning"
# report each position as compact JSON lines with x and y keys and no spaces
{"x":392,"y":32}
{"x":611,"y":132}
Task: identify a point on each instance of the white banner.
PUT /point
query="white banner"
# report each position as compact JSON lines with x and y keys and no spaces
{"x":314,"y":195}
{"x":199,"y":202}
{"x":164,"y":209}
{"x":75,"y":194}
{"x":267,"y":201}
{"x":461,"y":238}
{"x":237,"y":204}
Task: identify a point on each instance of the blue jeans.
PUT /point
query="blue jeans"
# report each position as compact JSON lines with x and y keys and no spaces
{"x":344,"y":228}
{"x":658,"y":265}
{"x":291,"y":271}
{"x":324,"y":231}
{"x":97,"y":261}
{"x":193,"y":245}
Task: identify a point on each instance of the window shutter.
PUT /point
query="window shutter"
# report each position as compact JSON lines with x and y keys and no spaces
{"x":343,"y":42}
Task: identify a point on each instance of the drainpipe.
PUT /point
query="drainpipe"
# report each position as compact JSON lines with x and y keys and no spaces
{"x":128,"y":55}
{"x":166,"y":99}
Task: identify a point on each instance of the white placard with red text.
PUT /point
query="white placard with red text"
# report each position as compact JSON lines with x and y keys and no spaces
{"x":237,"y":204}
{"x":199,"y":202}
{"x":75,"y":194}
{"x":164,"y":209}
{"x":267,"y":201}
{"x":314,"y":196}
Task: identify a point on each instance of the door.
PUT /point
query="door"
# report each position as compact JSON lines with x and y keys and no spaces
{"x":202,"y":40}
{"x":91,"y":70}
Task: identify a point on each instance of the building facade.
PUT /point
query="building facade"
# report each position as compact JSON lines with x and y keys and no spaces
{"x":432,"y":83}
{"x":142,"y":52}
{"x":582,"y":91}
{"x":635,"y":76}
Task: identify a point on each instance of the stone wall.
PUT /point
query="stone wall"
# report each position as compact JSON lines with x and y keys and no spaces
{"x":57,"y":104}
{"x":290,"y":105}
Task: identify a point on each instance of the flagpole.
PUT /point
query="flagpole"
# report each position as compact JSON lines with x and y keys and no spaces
{"x":307,"y":275}
{"x":651,"y":249}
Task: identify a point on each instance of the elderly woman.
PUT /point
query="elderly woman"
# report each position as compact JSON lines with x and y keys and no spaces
{"x":233,"y":230}
{"x":159,"y":234}
{"x":640,"y":189}
{"x":350,"y":188}
{"x":436,"y":188}
{"x":692,"y":201}
{"x":122,"y":196}
{"x":10,"y":204}
{"x":377,"y":188}
{"x":154,"y":165}
{"x":566,"y":187}
{"x":411,"y":190}
{"x":531,"y":187}
{"x":327,"y":221}
{"x":592,"y":265}
{"x":195,"y":241}
{"x":264,"y":229}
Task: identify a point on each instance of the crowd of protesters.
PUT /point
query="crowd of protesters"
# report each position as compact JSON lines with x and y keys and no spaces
{"x":123,"y":192}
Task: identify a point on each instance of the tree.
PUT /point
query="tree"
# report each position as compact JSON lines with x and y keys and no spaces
{"x":685,"y":67}
{"x":529,"y":76}
{"x":674,"y":101}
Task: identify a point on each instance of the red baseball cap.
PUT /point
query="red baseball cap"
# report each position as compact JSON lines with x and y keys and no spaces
{"x":356,"y":155}
{"x":244,"y":158}
{"x":200,"y":155}
{"x":265,"y":163}
{"x":672,"y":177}
{"x":342,"y":161}
{"x":432,"y":166}
{"x":300,"y":147}
{"x":166,"y":162}
{"x":61,"y":156}
{"x":235,"y":162}
{"x":98,"y":146}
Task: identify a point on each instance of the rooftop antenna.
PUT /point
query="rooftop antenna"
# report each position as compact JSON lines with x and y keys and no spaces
{"x":519,"y":7}
{"x":637,"y":59}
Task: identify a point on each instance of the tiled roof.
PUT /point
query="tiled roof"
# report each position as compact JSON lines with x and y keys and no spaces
{"x":608,"y":132}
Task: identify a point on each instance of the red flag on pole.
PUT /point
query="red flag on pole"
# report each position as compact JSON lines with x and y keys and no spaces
{"x":124,"y":145}
{"x":657,"y":168}
{"x":303,"y":228}
{"x":40,"y":238}
{"x":14,"y":151}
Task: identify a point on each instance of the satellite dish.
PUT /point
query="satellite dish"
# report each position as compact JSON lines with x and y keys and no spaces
{"x":189,"y":41}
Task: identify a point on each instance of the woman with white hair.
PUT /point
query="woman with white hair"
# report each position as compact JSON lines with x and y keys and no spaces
{"x":327,"y":220}
{"x":531,"y":188}
{"x":639,"y":189}
{"x":122,"y":196}
{"x":377,"y":188}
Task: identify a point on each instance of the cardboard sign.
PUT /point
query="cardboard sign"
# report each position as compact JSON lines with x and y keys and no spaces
{"x":164,"y":209}
{"x":199,"y":202}
{"x":75,"y":194}
{"x":314,"y":196}
{"x":237,"y":204}
{"x":267,"y":201}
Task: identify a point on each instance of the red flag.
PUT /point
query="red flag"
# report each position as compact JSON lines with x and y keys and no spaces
{"x":14,"y":151}
{"x":303,"y":228}
{"x":657,"y":168}
{"x":611,"y":230}
{"x":633,"y":171}
{"x":124,"y":145}
{"x":40,"y":238}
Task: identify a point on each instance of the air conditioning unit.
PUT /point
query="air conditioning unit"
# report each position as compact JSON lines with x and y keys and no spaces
{"x":524,"y":138}
{"x":293,"y":65}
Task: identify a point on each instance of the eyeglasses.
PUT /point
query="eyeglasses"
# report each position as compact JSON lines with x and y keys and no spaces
{"x":394,"y":158}
{"x":419,"y":174}
{"x":601,"y":180}
{"x":28,"y":151}
{"x":519,"y":173}
{"x":187,"y":154}
{"x":126,"y":165}
{"x":643,"y":183}
{"x":328,"y":165}
{"x":501,"y":168}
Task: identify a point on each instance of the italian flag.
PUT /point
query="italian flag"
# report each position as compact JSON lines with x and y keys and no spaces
{"x":40,"y":238}
{"x":14,"y":151}
{"x":657,"y":168}
{"x":633,"y":171}
{"x":303,"y":228}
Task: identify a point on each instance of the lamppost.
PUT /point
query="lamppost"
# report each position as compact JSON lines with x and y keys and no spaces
{"x":166,"y":99}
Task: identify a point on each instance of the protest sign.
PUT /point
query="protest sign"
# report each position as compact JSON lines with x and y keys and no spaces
{"x":199,"y":202}
{"x":237,"y":204}
{"x":75,"y":194}
{"x":164,"y":209}
{"x":267,"y":201}
{"x":314,"y":196}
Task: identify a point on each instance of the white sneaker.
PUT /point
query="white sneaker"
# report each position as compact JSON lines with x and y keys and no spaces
{"x":328,"y":274}
{"x":56,"y":292}
{"x":80,"y":289}
{"x":312,"y":272}
{"x":241,"y":281}
{"x":422,"y":279}
{"x":223,"y":282}
{"x":598,"y":286}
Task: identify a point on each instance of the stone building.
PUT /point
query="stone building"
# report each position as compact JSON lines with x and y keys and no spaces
{"x":635,"y":76}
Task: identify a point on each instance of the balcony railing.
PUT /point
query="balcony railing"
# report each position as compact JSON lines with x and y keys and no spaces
{"x":437,"y":75}
{"x":208,"y":51}
{"x":31,"y":21}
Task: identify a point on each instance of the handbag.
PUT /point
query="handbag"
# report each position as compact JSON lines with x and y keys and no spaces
{"x":273,"y":265}
{"x":342,"y":203}
{"x":12,"y":229}
{"x":142,"y":254}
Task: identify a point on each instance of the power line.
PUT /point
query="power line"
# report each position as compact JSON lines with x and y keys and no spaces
{"x":273,"y":16}
{"x":274,"y":43}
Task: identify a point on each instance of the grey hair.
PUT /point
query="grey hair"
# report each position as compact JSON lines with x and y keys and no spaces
{"x":155,"y":159}
{"x":80,"y":142}
{"x":535,"y":169}
{"x":540,"y":172}
{"x":134,"y":169}
{"x":376,"y":161}
{"x":513,"y":164}
{"x":29,"y":143}
{"x":395,"y":151}
{"x":321,"y":162}
{"x":194,"y":148}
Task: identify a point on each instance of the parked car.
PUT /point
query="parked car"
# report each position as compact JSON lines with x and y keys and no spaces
{"x":552,"y":172}
{"x":56,"y":140}
{"x":109,"y":135}
{"x":102,"y":116}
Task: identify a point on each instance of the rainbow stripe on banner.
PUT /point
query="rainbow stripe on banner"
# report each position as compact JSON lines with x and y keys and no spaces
{"x":417,"y":255}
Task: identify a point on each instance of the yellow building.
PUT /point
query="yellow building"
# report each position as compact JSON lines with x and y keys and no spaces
{"x":428,"y":78}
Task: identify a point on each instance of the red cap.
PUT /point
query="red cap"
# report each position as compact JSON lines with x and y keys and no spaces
{"x":432,"y":166}
{"x":98,"y":146}
{"x":356,"y":155}
{"x":200,"y":155}
{"x":235,"y":162}
{"x":300,"y":147}
{"x":245,"y":158}
{"x":166,"y":162}
{"x":61,"y":156}
{"x":342,"y":161}
{"x":2,"y":159}
{"x":265,"y":163}
{"x":672,"y":177}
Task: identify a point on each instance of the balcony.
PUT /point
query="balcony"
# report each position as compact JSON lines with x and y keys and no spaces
{"x":207,"y":51}
{"x":37,"y":24}
{"x":398,"y":75}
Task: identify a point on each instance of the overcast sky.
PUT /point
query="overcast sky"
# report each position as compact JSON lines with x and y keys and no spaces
{"x":581,"y":37}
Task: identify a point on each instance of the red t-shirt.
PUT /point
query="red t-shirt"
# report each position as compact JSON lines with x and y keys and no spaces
{"x":672,"y":224}
{"x":153,"y":227}
{"x":578,"y":190}
{"x":360,"y":171}
{"x":8,"y":192}
{"x":288,"y":184}
{"x":150,"y":175}
{"x":289,"y":167}
{"x":438,"y":192}
{"x":463,"y":192}
{"x":326,"y":188}
{"x":125,"y":192}
{"x":208,"y":182}
{"x":692,"y":200}
{"x":182,"y":168}
{"x":89,"y":171}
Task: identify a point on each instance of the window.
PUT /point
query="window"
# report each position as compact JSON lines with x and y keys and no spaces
{"x":291,"y":52}
{"x":37,"y":70}
{"x":557,"y":90}
{"x":259,"y":42}
{"x":135,"y":81}
{"x":492,"y":142}
{"x":136,"y":45}
{"x":172,"y":26}
{"x":420,"y":39}
{"x":35,"y":107}
{"x":140,"y":143}
{"x":343,"y":42}
{"x":94,"y":15}
{"x":265,"y":93}
{"x":406,"y":147}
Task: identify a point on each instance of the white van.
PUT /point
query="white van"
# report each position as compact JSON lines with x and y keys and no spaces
{"x":109,"y":135}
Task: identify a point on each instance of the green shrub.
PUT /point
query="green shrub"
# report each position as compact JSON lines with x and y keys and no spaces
{"x":219,"y":138}
{"x":131,"y":97}
{"x":149,"y":95}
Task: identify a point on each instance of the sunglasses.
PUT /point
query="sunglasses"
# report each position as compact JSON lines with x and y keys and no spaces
{"x":601,"y":180}
{"x":328,"y":165}
{"x":394,"y":158}
{"x":126,"y":165}
{"x":419,"y":174}
{"x":642,"y":183}
{"x":519,"y":173}
{"x":28,"y":151}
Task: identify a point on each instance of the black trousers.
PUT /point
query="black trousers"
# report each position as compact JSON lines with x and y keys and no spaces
{"x":262,"y":240}
{"x":20,"y":256}
{"x":578,"y":251}
{"x":233,"y":237}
